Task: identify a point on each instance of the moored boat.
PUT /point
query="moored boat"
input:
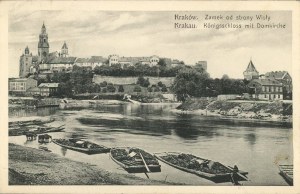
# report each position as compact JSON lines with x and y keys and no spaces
{"x":204,"y":168}
{"x":41,"y":130}
{"x":135,"y":160}
{"x":81,"y":146}
{"x":287,"y":172}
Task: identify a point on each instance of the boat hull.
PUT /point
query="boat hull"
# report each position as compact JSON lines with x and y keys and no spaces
{"x":286,"y":171}
{"x":84,"y":150}
{"x":217,"y":178}
{"x":136,"y":168}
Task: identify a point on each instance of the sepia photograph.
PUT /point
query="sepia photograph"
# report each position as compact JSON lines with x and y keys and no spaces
{"x":150,"y":97}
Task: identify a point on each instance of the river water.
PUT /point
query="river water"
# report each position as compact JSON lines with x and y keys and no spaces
{"x":255,"y":147}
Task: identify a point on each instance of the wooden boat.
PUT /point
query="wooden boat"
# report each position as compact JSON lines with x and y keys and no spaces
{"x":204,"y":168}
{"x":41,"y":130}
{"x":81,"y":146}
{"x":286,"y":171}
{"x":135,"y":160}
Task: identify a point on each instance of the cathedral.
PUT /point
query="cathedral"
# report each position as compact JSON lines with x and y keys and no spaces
{"x":30,"y":64}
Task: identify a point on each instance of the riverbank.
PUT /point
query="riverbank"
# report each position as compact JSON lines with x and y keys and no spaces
{"x":29,"y":166}
{"x":243,"y":110}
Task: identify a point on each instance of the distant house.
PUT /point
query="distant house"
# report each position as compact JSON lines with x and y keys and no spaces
{"x":59,"y":64}
{"x":20,"y":85}
{"x":48,"y":89}
{"x":202,"y":64}
{"x":284,"y":78}
{"x":266,"y":89}
{"x":130,"y":61}
{"x":251,"y":72}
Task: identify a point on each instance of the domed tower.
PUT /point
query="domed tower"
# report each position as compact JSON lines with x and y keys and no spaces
{"x":64,"y":50}
{"x":25,"y":63}
{"x":43,"y":46}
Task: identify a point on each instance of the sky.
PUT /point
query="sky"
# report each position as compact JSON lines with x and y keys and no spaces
{"x":102,"y":33}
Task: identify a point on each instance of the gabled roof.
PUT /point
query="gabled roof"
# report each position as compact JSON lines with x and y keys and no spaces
{"x":266,"y":82}
{"x":277,"y":74}
{"x":65,"y":46}
{"x":251,"y":67}
{"x":82,"y":60}
{"x":48,"y":85}
{"x":97,"y":59}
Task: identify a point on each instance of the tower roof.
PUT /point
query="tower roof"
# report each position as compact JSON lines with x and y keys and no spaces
{"x":26,"y":50}
{"x":43,"y":31}
{"x":251,"y":67}
{"x":65,"y":46}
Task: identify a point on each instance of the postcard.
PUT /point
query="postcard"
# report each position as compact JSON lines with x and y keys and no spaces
{"x":149,"y":97}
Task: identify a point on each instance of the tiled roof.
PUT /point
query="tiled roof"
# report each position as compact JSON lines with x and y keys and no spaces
{"x":251,"y":67}
{"x":62,"y":60}
{"x":276,"y":74}
{"x":18,"y":79}
{"x":97,"y":59}
{"x":82,"y":60}
{"x":33,"y":89}
{"x":266,"y":82}
{"x":48,"y":85}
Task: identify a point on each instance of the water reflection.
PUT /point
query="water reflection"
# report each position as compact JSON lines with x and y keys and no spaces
{"x":156,"y":129}
{"x":19,"y":112}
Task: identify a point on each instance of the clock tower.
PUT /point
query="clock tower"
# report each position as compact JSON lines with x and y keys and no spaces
{"x":43,"y":46}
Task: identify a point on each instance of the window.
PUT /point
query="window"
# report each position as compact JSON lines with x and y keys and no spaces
{"x":265,"y":95}
{"x":263,"y":88}
{"x":278,"y":95}
{"x":274,"y":96}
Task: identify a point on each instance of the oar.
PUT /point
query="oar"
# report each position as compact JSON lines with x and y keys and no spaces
{"x":147,"y":168}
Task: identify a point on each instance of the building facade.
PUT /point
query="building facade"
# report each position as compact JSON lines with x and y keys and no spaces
{"x":48,"y":89}
{"x":20,"y":85}
{"x":286,"y":79}
{"x":266,"y":89}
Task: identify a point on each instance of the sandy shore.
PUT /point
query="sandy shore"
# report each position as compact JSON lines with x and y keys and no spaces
{"x":29,"y":166}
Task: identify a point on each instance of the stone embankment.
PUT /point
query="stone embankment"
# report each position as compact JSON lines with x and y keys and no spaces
{"x":263,"y":110}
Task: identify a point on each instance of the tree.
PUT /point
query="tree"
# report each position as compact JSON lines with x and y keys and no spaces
{"x":121,"y":88}
{"x":164,"y":88}
{"x":103,"y":84}
{"x":143,"y":82}
{"x":111,"y":88}
{"x":225,"y":76}
{"x":190,"y":82}
{"x":162,"y":62}
{"x":160,"y":84}
{"x":137,"y":89}
{"x":149,"y":89}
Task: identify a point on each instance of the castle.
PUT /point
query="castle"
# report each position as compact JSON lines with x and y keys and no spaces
{"x":29,"y":63}
{"x":47,"y":62}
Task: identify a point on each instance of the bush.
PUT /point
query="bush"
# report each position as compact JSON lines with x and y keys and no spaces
{"x":156,"y":89}
{"x":160,"y":84}
{"x":137,"y":89}
{"x":110,"y":88}
{"x":164,"y":88}
{"x":149,"y":89}
{"x":121,"y":88}
{"x":104,"y":90}
{"x":103,"y":84}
